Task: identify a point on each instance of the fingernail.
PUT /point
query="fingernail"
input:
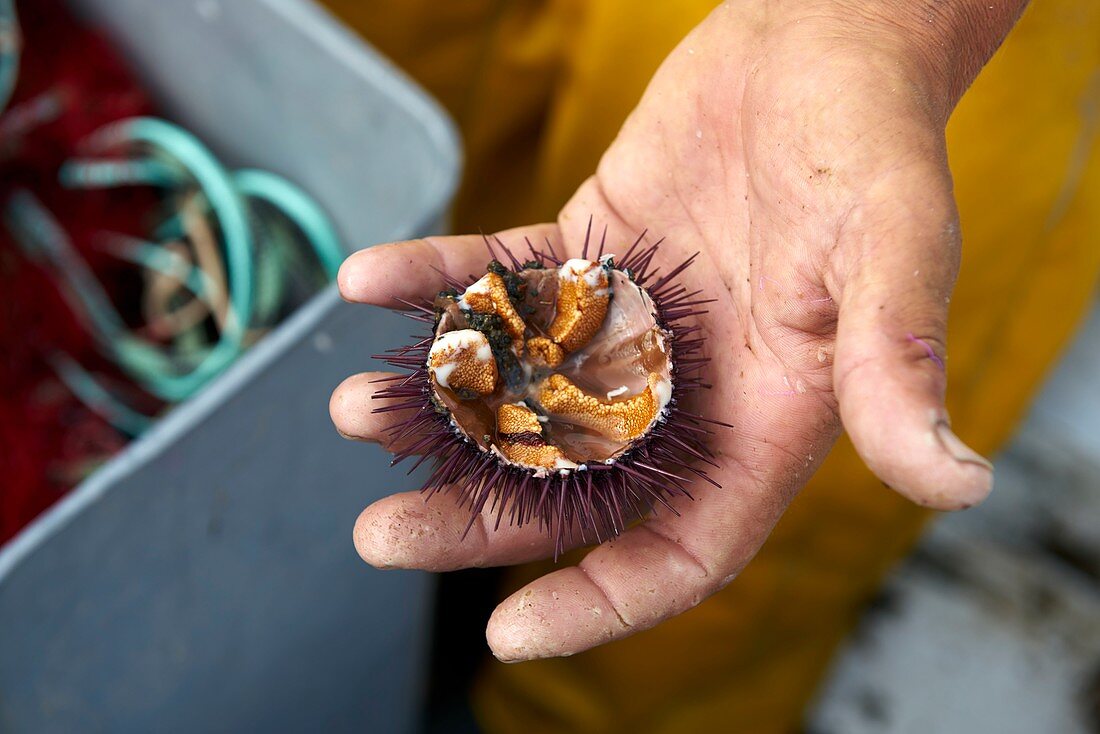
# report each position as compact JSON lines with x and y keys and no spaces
{"x":959,"y":450}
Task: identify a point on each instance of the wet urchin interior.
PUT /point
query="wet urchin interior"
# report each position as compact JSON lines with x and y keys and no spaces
{"x":553,"y":391}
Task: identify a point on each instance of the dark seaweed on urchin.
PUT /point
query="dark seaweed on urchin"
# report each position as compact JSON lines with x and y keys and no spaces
{"x":599,"y":499}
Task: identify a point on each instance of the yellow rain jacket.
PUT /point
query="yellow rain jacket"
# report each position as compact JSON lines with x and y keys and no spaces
{"x":522,"y":77}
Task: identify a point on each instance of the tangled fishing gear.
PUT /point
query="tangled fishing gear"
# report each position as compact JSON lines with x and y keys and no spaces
{"x":135,"y":267}
{"x":553,"y":391}
{"x":71,"y":81}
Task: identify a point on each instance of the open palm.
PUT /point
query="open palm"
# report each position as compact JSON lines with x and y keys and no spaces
{"x":809,"y":171}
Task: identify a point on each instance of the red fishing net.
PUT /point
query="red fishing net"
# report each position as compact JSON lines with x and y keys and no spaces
{"x":71,"y":82}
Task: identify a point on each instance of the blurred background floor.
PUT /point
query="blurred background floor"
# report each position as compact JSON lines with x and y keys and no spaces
{"x":991,"y":626}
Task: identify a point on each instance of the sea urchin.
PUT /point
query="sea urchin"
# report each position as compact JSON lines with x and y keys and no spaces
{"x":553,"y":391}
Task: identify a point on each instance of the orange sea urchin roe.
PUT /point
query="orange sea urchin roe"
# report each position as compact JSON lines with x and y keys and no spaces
{"x":579,"y":373}
{"x":462,"y":361}
{"x":583,"y":295}
{"x":521,"y":439}
{"x":545,"y":352}
{"x":622,"y":420}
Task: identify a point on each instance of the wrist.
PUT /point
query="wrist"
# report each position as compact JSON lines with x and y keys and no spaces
{"x":943,"y":43}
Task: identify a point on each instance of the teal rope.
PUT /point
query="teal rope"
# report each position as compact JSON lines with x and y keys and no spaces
{"x":300,"y":209}
{"x":171,"y":158}
{"x":90,"y":392}
{"x":101,"y":174}
{"x":42,"y":238}
{"x":155,"y":257}
{"x":228,"y":209}
{"x":10,"y":46}
{"x":271,"y":269}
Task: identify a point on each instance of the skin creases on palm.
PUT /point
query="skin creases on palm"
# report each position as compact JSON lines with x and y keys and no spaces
{"x":819,"y":200}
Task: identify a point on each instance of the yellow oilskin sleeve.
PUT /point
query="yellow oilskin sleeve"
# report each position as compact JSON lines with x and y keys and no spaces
{"x":539,"y":89}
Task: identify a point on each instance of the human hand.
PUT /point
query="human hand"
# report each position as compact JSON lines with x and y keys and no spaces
{"x":799,"y":148}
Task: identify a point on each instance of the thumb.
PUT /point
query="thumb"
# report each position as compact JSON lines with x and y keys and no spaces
{"x":890,"y":349}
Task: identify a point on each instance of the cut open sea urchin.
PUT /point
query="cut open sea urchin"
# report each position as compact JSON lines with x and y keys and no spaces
{"x":553,"y":391}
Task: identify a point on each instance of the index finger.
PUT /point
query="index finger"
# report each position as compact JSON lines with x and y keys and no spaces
{"x":386,"y":275}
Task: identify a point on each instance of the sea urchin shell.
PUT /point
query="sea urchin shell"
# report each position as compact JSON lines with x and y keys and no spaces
{"x":553,"y":391}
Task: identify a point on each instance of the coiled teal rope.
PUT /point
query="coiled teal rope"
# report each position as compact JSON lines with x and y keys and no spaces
{"x":255,"y":247}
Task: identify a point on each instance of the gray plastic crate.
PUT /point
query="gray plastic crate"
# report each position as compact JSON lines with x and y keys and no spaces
{"x":205,"y":580}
